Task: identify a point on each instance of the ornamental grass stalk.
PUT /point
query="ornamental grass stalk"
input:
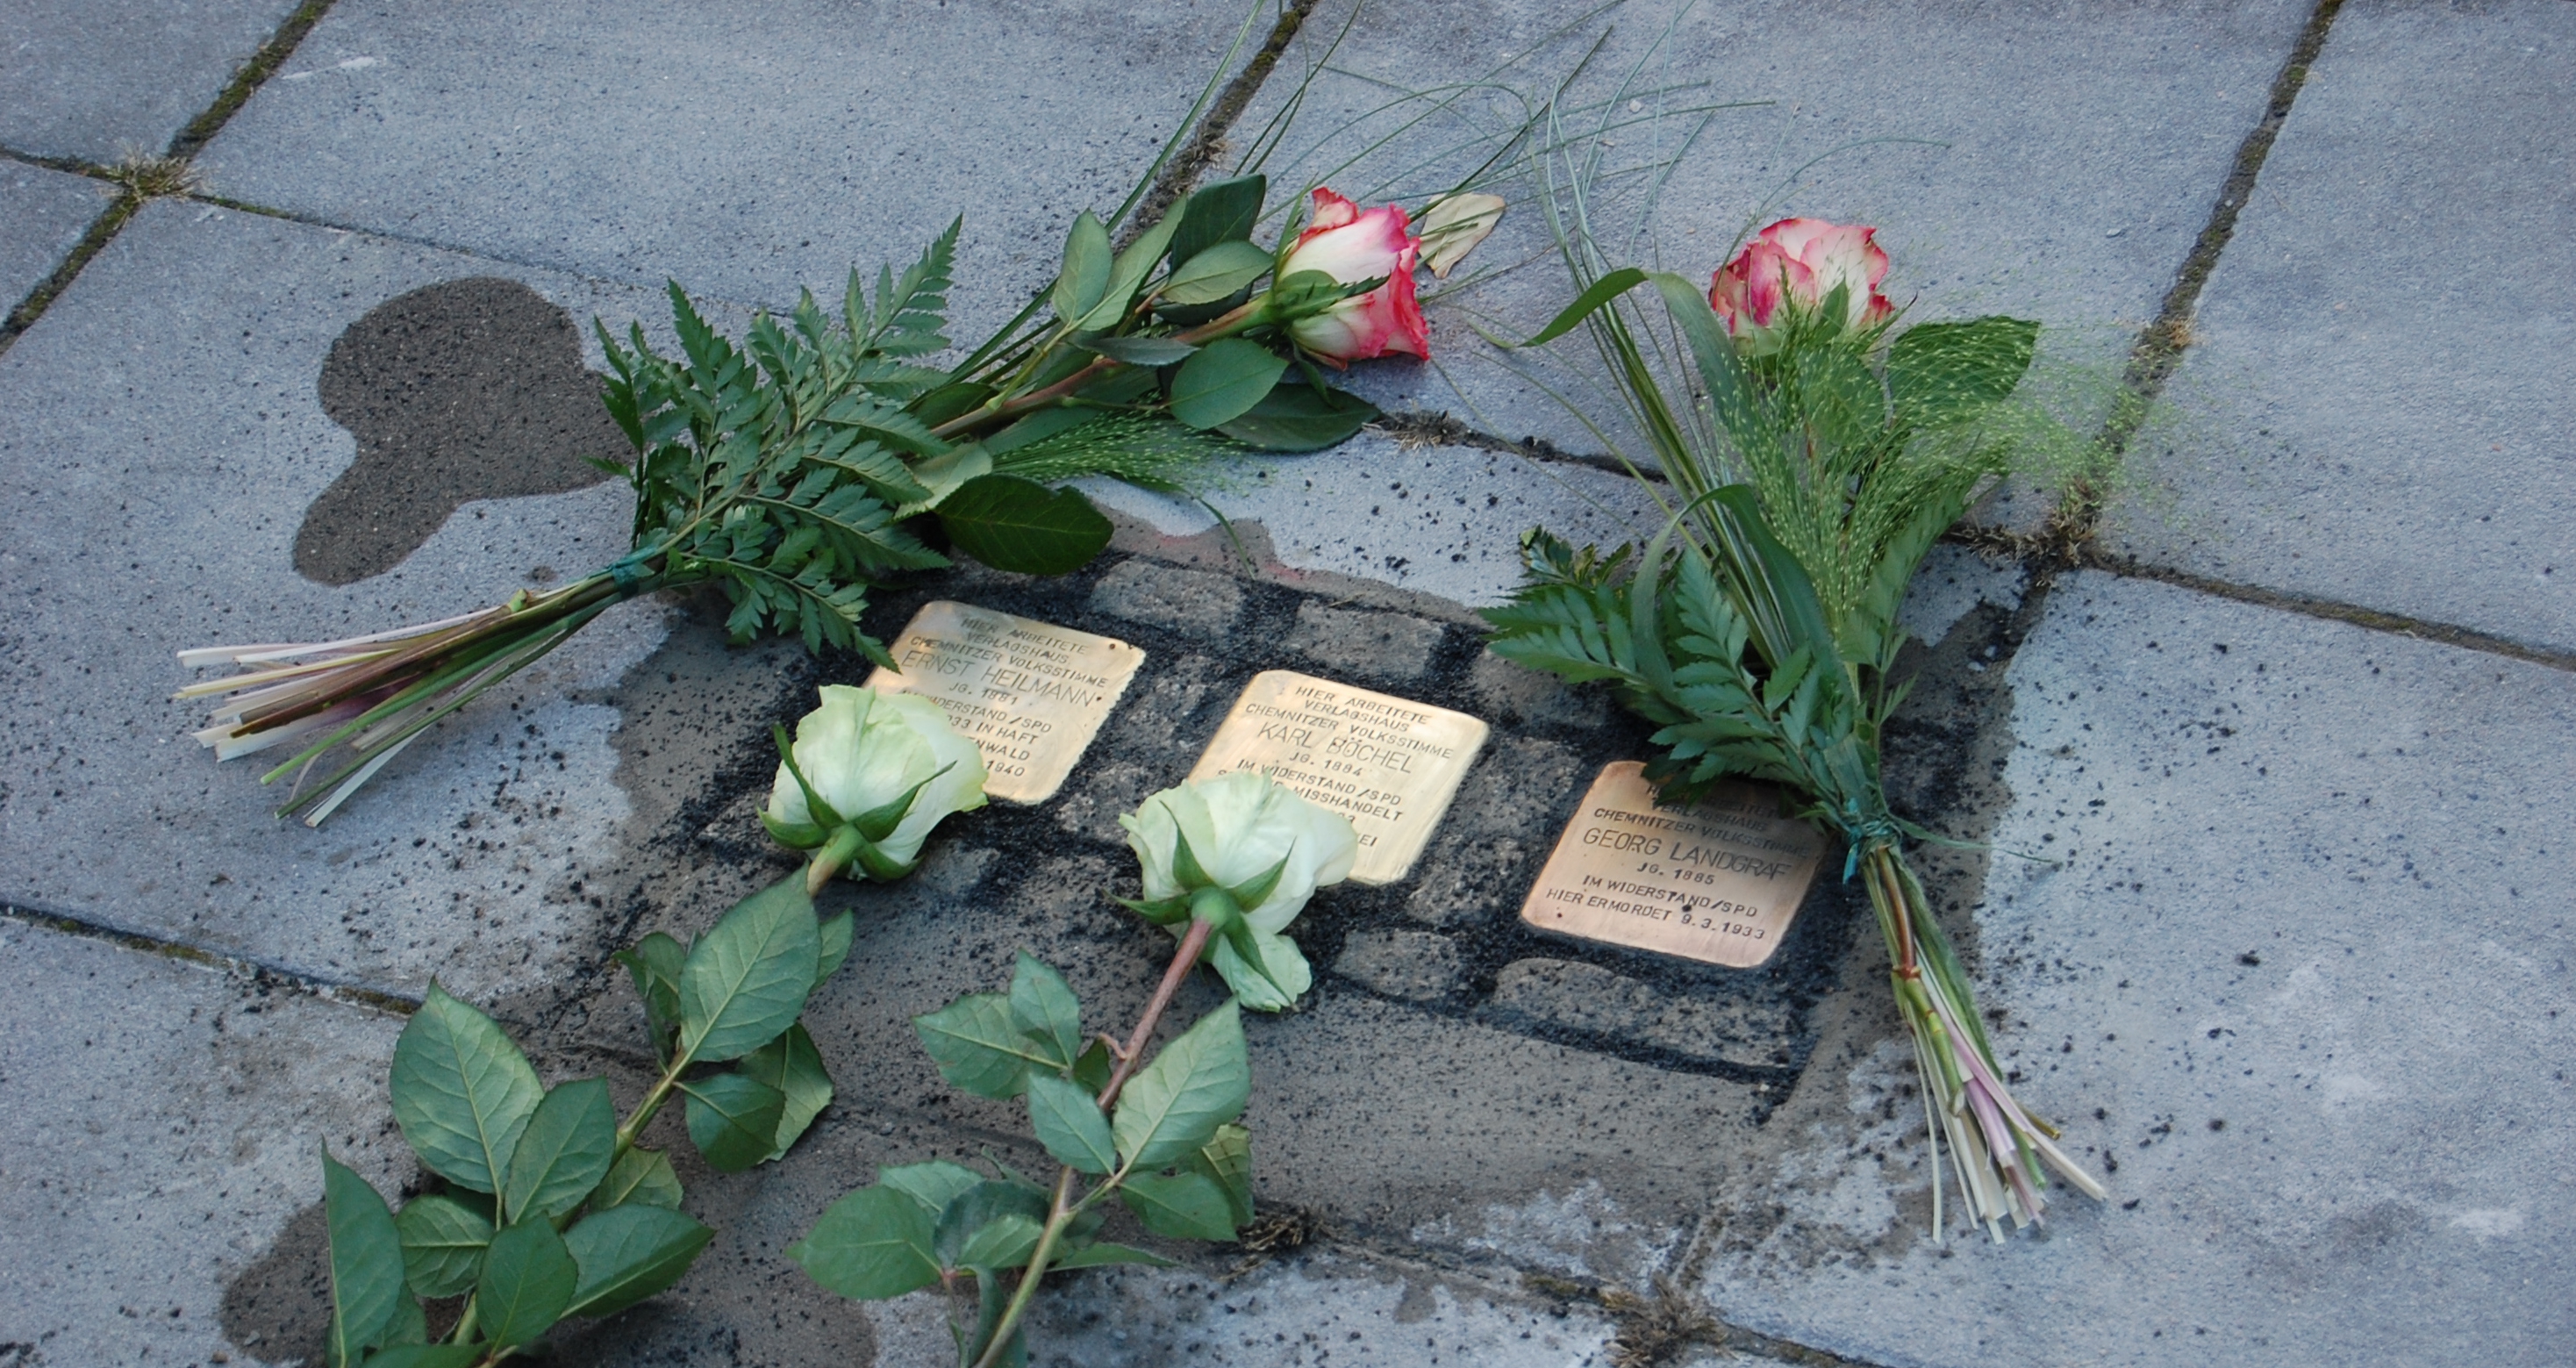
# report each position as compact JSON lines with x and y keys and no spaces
{"x":1811,"y":451}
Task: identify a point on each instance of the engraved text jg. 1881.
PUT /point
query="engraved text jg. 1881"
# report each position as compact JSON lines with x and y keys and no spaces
{"x":1029,"y":694}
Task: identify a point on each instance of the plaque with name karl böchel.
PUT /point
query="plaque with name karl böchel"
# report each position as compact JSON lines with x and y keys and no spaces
{"x":1389,"y":764}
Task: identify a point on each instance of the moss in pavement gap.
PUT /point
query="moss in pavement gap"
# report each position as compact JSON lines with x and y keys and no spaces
{"x":247,"y":79}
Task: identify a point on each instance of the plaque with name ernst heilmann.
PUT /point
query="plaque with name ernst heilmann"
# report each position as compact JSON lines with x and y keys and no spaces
{"x":1389,"y":764}
{"x":1717,"y":881}
{"x":1029,"y":694}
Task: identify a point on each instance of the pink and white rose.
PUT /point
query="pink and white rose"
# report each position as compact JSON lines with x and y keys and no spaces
{"x":1793,"y":265}
{"x":1351,"y":245}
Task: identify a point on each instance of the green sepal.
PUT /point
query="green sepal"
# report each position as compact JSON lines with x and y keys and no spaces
{"x":821,"y":815}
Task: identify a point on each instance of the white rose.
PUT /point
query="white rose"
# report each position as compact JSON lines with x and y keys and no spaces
{"x":1239,"y":827}
{"x":862,"y":750}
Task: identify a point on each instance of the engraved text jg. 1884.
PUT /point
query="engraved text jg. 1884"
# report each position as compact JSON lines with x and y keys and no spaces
{"x":1029,"y":694}
{"x":1389,"y":764}
{"x":1716,"y":882}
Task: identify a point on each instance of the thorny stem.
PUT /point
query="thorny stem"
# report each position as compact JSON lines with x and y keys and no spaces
{"x":834,"y":857}
{"x":1064,"y":1209}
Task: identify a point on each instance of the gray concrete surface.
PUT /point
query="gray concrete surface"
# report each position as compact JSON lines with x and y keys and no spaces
{"x":2318,"y":901}
{"x":92,"y":81}
{"x":160,"y":1124}
{"x":2055,"y":164}
{"x":2297,"y":964}
{"x":163,"y":436}
{"x":1439,"y":520}
{"x":42,"y":215}
{"x":2384,"y":417}
{"x":747,"y":151}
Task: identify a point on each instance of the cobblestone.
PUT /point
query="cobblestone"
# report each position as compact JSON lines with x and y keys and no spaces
{"x":1370,"y":648}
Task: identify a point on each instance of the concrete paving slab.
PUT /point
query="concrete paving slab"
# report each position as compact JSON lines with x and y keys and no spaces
{"x":1439,"y":520}
{"x":2055,"y":164}
{"x":2385,"y":367}
{"x":159,"y":475}
{"x":42,"y":216}
{"x":746,"y":150}
{"x":2297,"y":980}
{"x":164,"y":1124}
{"x":93,"y":81}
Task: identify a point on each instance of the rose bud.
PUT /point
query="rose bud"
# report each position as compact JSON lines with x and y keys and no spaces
{"x":1349,"y":245}
{"x":1792,"y":268}
{"x":867,"y":778}
{"x":1244,"y":854}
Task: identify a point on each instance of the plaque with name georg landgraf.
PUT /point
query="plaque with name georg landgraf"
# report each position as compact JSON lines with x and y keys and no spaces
{"x":1389,"y":764}
{"x":1029,"y":694}
{"x":1716,"y":882}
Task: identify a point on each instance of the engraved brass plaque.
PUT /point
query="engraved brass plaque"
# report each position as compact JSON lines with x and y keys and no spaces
{"x":1029,"y":694}
{"x":1389,"y":764}
{"x":1715,"y":882}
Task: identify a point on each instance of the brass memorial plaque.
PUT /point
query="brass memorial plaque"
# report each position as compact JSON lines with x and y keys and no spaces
{"x":1388,"y":764}
{"x":1716,"y":882}
{"x":1029,"y":694}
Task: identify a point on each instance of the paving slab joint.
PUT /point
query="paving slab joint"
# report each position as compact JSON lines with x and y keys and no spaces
{"x":264,"y":974}
{"x":2330,"y":610}
{"x":1209,"y":143}
{"x":171,"y":173}
{"x":2070,"y":526}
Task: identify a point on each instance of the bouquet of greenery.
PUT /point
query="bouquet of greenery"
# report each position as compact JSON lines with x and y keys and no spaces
{"x":812,"y":458}
{"x":1814,"y":452}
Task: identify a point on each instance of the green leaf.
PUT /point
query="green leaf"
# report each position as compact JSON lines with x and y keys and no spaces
{"x":641,"y":1177}
{"x":1043,"y":1005}
{"x":1227,"y":1158}
{"x":628,"y":1254}
{"x":1219,"y":272}
{"x":1140,"y":351}
{"x":1094,"y":1255}
{"x":1299,"y":418}
{"x":1086,"y":269}
{"x":1092,"y":1070}
{"x":1185,"y":1206}
{"x":979,"y":1207}
{"x":834,"y":941}
{"x":428,"y":1356}
{"x":950,"y":401}
{"x":1021,"y":526}
{"x":1068,"y":1122}
{"x":462,"y":1092}
{"x":367,"y":1276}
{"x":1599,"y":293}
{"x":871,"y":1245}
{"x":1133,"y":266}
{"x":654,"y":964}
{"x":979,"y":1048}
{"x":1223,"y":212}
{"x":442,"y":1245}
{"x":1174,"y":1105}
{"x":747,"y":977}
{"x":528,"y":1279}
{"x":564,"y":1152}
{"x":1948,"y":372}
{"x":733,"y":1120}
{"x":1224,"y":381}
{"x":1004,"y":1242}
{"x":934,"y":1184}
{"x":794,"y":1067}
